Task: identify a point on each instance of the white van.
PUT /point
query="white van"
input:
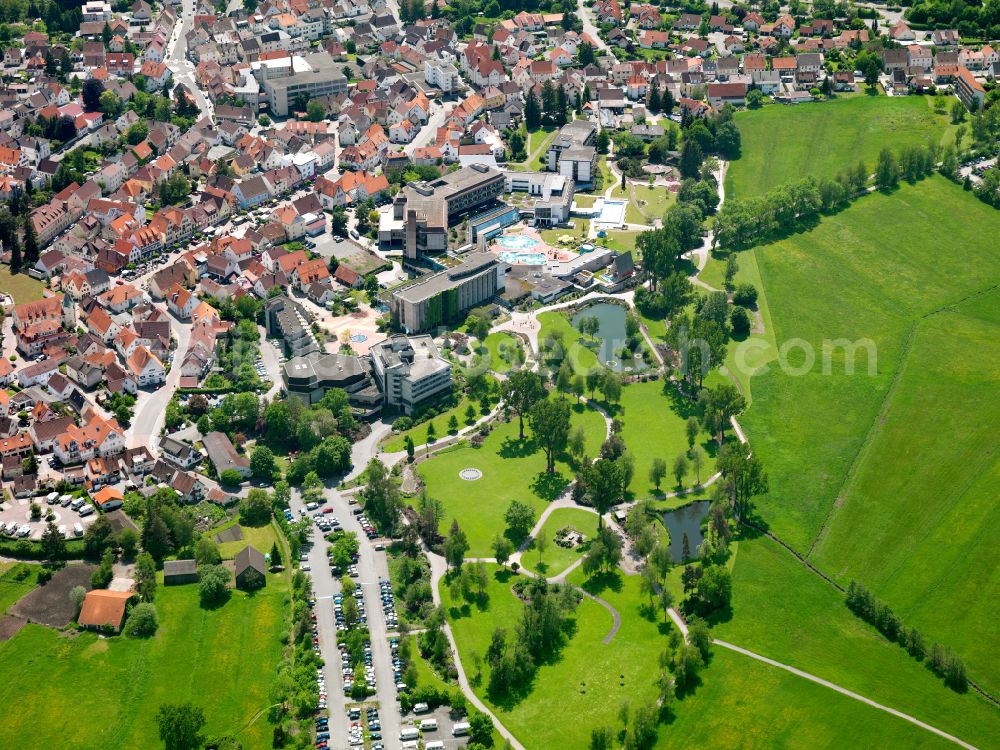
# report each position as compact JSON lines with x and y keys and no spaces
{"x":24,"y":530}
{"x":10,"y":529}
{"x":408,"y":733}
{"x":51,"y":498}
{"x":460,"y":729}
{"x":409,"y":746}
{"x":429,"y":725}
{"x":76,"y":504}
{"x":421,"y":708}
{"x":434,"y":745}
{"x":62,"y":531}
{"x":86,"y":510}
{"x":77,"y":529}
{"x":65,"y":500}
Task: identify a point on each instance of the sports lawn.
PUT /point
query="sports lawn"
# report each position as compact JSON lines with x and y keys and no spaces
{"x":585,"y":685}
{"x":556,"y":559}
{"x":81,"y":691}
{"x":782,"y":144}
{"x":783,"y":611}
{"x":655,"y":427}
{"x":512,"y":470}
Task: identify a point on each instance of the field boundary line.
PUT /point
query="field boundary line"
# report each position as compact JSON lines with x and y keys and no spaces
{"x":873,"y":430}
{"x":846,"y":692}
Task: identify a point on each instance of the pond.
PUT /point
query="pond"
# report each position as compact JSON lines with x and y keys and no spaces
{"x":611,"y":333}
{"x":686,"y":520}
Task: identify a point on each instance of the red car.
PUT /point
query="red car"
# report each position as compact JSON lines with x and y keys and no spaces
{"x":328,"y":509}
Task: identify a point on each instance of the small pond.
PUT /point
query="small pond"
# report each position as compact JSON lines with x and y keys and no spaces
{"x":686,"y":520}
{"x":611,"y":333}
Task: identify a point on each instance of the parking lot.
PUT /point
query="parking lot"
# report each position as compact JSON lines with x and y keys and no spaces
{"x":16,"y":516}
{"x":433,"y":726}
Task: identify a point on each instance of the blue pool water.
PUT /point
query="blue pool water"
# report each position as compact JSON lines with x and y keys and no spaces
{"x":357,"y":338}
{"x":524,"y":259}
{"x":517,"y":242}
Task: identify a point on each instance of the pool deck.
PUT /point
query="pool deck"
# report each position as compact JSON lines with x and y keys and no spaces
{"x":541,"y":247}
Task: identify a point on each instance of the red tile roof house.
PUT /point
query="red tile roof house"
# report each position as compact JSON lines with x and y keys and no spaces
{"x":104,"y":610}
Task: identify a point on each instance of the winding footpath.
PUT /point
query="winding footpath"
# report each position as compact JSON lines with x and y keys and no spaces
{"x":526,"y":326}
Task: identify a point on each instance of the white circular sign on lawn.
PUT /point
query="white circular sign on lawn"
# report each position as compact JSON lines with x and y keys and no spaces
{"x":470,"y":474}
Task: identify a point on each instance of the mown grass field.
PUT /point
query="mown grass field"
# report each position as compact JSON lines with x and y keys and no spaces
{"x":781,"y":144}
{"x":585,"y":685}
{"x":744,"y":703}
{"x":556,"y":559}
{"x":397,"y":442}
{"x":498,"y":344}
{"x":261,"y":538}
{"x":20,"y":286}
{"x":889,"y":477}
{"x":655,"y":427}
{"x":83,"y":692}
{"x":920,"y":509}
{"x":512,"y":470}
{"x":784,"y":611}
{"x":869,"y":273}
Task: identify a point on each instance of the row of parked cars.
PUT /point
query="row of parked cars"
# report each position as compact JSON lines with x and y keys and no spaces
{"x":356,"y":731}
{"x":388,"y":603}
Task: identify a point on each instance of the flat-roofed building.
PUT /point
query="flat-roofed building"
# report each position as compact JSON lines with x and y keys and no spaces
{"x":437,"y":298}
{"x":553,"y":194}
{"x":312,"y":76}
{"x":572,"y":152}
{"x":410,"y":372}
{"x":421,"y":212}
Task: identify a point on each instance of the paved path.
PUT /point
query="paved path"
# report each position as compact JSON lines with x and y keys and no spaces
{"x":845,"y":691}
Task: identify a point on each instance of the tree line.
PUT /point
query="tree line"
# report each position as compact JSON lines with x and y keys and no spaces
{"x":940,"y":659}
{"x":742,"y":223}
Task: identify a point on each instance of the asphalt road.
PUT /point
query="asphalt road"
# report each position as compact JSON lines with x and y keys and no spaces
{"x":150,"y":408}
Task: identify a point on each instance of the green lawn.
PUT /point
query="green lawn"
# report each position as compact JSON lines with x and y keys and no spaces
{"x":497,"y":344}
{"x":585,"y":201}
{"x":16,"y":580}
{"x":585,"y":685}
{"x":512,"y":470}
{"x":921,"y":504}
{"x":397,"y":441}
{"x":747,"y":356}
{"x":581,"y":358}
{"x":262,"y":538}
{"x":784,"y":144}
{"x":20,"y":286}
{"x":655,"y":427}
{"x":539,"y":140}
{"x":889,"y":478}
{"x":658,"y":200}
{"x":83,"y":692}
{"x":744,"y":703}
{"x":782,"y":610}
{"x":556,"y":559}
{"x":620,"y":241}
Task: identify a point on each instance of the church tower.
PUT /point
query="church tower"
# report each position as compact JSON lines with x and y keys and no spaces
{"x":68,"y":311}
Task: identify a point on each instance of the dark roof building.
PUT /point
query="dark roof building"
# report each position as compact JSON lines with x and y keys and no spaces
{"x":179,"y":571}
{"x":251,"y":569}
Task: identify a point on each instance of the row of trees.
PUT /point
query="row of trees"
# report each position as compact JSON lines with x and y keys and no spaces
{"x":940,"y":659}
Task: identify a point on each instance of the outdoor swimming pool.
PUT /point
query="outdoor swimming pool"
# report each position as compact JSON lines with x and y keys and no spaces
{"x":523,"y":259}
{"x":517,"y":242}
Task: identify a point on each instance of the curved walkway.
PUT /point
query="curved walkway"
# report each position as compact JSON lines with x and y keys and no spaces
{"x":845,"y":691}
